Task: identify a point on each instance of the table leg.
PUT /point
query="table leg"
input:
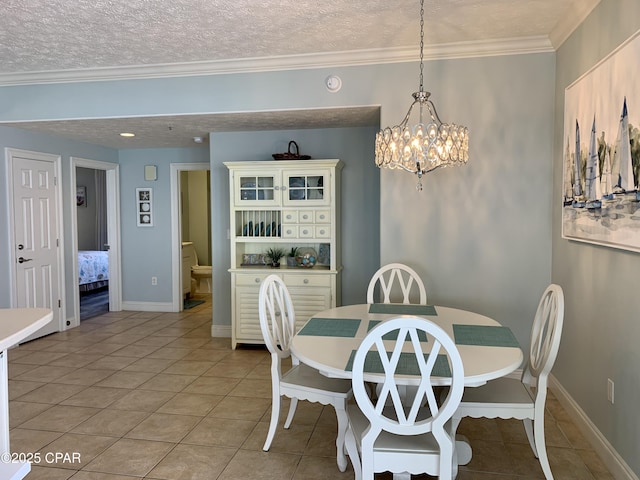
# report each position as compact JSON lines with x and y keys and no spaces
{"x":4,"y":404}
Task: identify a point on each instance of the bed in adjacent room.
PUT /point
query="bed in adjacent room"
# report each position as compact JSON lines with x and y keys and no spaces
{"x":93,"y":269}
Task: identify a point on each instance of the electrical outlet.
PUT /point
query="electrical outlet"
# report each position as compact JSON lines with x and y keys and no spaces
{"x":610,"y":390}
{"x":154,"y":280}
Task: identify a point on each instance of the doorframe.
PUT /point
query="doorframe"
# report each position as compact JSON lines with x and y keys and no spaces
{"x":10,"y":153}
{"x":176,"y":229}
{"x":113,"y":232}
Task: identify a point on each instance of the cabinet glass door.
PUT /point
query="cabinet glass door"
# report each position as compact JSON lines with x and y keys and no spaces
{"x":256,"y":189}
{"x":310,"y":188}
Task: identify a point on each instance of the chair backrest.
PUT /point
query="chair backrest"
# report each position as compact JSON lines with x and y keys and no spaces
{"x":277,"y":317}
{"x":419,"y":411}
{"x":395,"y":275}
{"x":546,"y":332}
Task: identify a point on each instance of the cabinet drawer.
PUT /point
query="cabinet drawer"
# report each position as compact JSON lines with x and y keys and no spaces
{"x":251,"y":279}
{"x":323,"y":216}
{"x":305,"y":216}
{"x":306,"y":231}
{"x":290,"y":216}
{"x":302,"y":280}
{"x":289,"y":231}
{"x":323,"y":231}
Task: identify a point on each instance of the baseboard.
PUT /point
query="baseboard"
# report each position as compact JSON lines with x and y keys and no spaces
{"x":610,"y":457}
{"x":148,"y":306}
{"x":222,"y":331}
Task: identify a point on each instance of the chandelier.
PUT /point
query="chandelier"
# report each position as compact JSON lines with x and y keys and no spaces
{"x":425,"y":146}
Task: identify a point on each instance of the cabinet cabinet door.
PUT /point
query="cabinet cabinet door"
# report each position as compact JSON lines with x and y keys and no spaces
{"x":306,"y":188}
{"x":255,"y":189}
{"x":247,"y":321}
{"x":309,"y":301}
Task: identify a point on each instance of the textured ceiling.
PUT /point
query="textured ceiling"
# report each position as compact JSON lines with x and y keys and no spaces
{"x":41,"y":40}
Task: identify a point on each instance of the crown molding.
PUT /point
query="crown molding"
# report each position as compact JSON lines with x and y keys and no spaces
{"x":511,"y":46}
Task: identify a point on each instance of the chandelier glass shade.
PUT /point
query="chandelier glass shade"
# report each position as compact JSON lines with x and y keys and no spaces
{"x":426,"y":145}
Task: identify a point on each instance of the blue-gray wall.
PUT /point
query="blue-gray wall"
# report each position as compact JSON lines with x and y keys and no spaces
{"x":602,"y":321}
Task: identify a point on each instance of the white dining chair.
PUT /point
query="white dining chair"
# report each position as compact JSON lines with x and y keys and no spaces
{"x":397,"y":433}
{"x":400,"y":275}
{"x":300,"y":382}
{"x":524,"y":398}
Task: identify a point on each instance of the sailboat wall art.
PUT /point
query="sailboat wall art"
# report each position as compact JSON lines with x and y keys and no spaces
{"x":601,"y":152}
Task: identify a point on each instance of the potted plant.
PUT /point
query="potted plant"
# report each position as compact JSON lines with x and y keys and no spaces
{"x":291,"y":257}
{"x":275,"y":254}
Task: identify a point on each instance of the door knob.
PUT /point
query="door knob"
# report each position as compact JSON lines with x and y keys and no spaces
{"x":22,"y":260}
{"x":20,"y":247}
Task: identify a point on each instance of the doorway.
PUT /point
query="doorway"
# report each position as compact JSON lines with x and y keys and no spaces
{"x":191,"y":233}
{"x":35,"y":205}
{"x":96,"y":238}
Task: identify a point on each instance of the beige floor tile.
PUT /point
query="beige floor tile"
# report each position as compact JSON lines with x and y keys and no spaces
{"x":135,"y":350}
{"x":59,"y":418}
{"x":112,"y":362}
{"x":113,"y":423}
{"x":20,"y":412}
{"x":153,"y":365}
{"x":17,"y":369}
{"x":164,"y":427}
{"x":273,"y":466}
{"x":241,"y":408}
{"x":123,"y":379}
{"x":39,"y":358}
{"x":220,"y":432}
{"x":154,"y":341}
{"x":84,"y":376}
{"x":77,"y":360}
{"x":184,"y":367}
{"x":322,"y":442}
{"x":207,"y":355}
{"x":193,"y":462}
{"x":82,"y":475}
{"x":212,"y":385}
{"x":252,"y":387}
{"x":170,"y":353}
{"x":130,"y":457}
{"x":25,"y":441}
{"x":99,"y":397}
{"x":314,"y":468}
{"x":229,"y":369}
{"x":49,"y":473}
{"x":169,"y":383}
{"x":45,"y":373}
{"x":142,"y":400}
{"x":74,"y":451}
{"x":292,"y":440}
{"x":17,"y":388}
{"x":101,"y":348}
{"x":51,"y":393}
{"x":191,"y":404}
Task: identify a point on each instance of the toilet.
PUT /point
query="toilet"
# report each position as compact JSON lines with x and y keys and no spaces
{"x":200,"y":273}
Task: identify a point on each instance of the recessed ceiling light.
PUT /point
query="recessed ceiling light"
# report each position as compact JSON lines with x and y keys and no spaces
{"x":126,"y":134}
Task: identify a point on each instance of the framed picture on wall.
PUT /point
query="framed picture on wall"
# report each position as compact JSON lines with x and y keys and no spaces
{"x":144,"y":207}
{"x":601,"y":154}
{"x":81,"y":196}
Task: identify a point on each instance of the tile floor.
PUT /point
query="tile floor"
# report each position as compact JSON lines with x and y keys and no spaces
{"x":153,"y":396}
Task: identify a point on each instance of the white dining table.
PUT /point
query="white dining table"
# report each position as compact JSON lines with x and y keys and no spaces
{"x":488,"y":350}
{"x":16,"y":324}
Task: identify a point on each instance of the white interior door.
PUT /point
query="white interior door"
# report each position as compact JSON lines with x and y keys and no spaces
{"x":36,"y":235}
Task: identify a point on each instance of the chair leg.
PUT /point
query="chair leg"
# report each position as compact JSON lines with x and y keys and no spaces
{"x":275,"y":416}
{"x":343,"y":423}
{"x":538,"y":431}
{"x":292,"y":411}
{"x":352,"y":451}
{"x":528,"y":427}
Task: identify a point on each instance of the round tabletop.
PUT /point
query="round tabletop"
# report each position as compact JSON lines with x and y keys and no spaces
{"x":484,"y":357}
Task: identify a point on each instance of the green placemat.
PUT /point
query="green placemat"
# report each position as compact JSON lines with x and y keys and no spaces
{"x":402,"y":309}
{"x":331,"y":327}
{"x":486,"y":335}
{"x":407,"y":365}
{"x":394,"y":335}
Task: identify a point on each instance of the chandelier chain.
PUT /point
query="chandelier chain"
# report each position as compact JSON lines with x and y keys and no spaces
{"x":421,"y":45}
